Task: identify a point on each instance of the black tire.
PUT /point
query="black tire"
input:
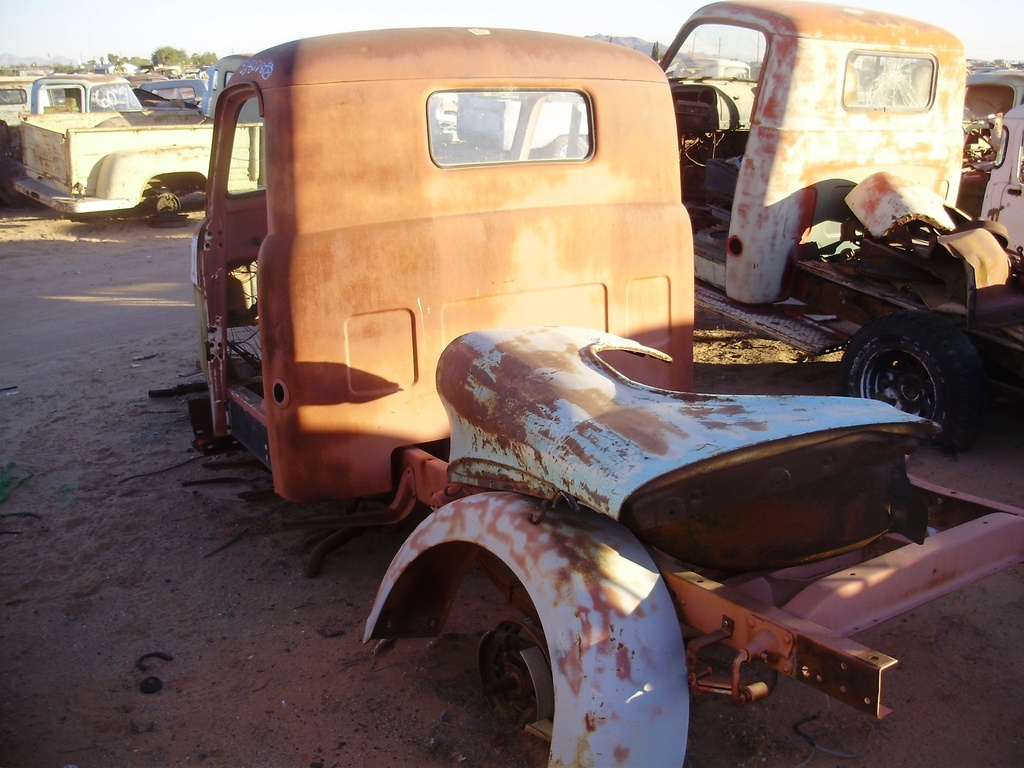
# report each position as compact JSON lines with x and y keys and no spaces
{"x":10,"y":169}
{"x":923,"y":364}
{"x":168,"y":220}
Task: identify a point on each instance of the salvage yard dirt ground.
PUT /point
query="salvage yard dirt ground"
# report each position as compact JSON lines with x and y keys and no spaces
{"x":119,"y":541}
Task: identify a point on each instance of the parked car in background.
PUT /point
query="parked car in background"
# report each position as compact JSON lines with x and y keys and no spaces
{"x":991,"y":187}
{"x":91,"y":148}
{"x":101,"y":164}
{"x":989,"y":98}
{"x":14,"y":93}
{"x":997,"y":91}
{"x":57,"y":95}
{"x":148,"y":77}
{"x":179,"y":93}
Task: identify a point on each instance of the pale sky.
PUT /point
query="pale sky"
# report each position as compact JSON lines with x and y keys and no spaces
{"x":87,"y":29}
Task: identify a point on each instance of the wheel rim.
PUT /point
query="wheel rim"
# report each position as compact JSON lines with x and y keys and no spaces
{"x":515,"y":673}
{"x":900,"y":379}
{"x":167,"y":202}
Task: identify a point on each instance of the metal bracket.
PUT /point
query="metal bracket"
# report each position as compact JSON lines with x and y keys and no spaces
{"x":758,"y":631}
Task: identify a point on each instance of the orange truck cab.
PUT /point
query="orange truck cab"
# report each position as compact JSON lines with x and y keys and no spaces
{"x":370,"y":255}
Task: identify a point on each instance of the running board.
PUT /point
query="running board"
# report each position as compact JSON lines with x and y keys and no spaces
{"x":812,"y":336}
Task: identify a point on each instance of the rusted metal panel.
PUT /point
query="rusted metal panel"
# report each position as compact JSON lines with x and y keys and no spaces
{"x":883,"y":201}
{"x":824,"y":20}
{"x":787,"y":643}
{"x":613,"y":638}
{"x":437,"y":55}
{"x":375,"y":257}
{"x":856,"y":598}
{"x":334,"y":81}
{"x":538,"y":411}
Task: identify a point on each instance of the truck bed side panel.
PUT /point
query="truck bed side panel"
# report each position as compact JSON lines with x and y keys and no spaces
{"x":69,"y":151}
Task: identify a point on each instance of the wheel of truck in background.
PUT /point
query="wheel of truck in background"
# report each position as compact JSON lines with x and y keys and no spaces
{"x":166,"y":202}
{"x":167,"y":211}
{"x":168,"y":220}
{"x":922,"y":364}
{"x":10,"y":169}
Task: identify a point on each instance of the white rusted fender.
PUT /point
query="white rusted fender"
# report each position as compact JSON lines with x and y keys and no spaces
{"x":539,"y":411}
{"x":616,"y":648}
{"x":884,"y":200}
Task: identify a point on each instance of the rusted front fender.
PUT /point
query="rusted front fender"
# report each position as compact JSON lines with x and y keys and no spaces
{"x":883,"y":201}
{"x":614,"y":641}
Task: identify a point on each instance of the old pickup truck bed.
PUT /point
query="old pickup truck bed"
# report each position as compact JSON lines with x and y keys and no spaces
{"x":82,"y":163}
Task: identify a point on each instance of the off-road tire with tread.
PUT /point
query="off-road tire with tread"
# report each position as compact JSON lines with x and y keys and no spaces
{"x":920,"y":363}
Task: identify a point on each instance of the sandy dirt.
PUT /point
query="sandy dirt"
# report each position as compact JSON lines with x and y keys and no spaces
{"x":118,"y":541}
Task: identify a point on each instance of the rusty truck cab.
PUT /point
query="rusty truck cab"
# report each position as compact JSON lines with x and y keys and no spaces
{"x":827,"y":97}
{"x":374,"y":195}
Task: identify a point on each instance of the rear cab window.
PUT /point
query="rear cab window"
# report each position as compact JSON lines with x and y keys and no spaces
{"x":10,"y":97}
{"x":508,"y":126}
{"x":63,"y":99}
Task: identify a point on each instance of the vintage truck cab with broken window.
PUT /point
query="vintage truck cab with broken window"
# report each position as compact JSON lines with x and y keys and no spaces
{"x":821,"y":182}
{"x":500,"y":336}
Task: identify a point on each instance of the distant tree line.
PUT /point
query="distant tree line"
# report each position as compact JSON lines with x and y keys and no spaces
{"x":165,"y":56}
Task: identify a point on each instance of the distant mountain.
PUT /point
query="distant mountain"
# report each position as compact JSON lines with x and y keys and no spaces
{"x":629,"y":42}
{"x":9,"y":60}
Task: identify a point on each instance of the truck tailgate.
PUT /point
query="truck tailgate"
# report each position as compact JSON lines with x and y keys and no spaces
{"x":44,"y":151}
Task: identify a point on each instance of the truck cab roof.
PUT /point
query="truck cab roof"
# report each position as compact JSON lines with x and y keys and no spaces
{"x":83,"y":93}
{"x":795,"y":18}
{"x":433,"y":54}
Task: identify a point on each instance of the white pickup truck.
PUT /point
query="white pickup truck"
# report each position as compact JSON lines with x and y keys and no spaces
{"x":994,"y":175}
{"x":87,"y":146}
{"x":63,"y":94}
{"x":1003,"y":200}
{"x":95,"y":163}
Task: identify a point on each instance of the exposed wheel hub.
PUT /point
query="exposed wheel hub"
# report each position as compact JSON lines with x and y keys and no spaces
{"x":902,"y":381}
{"x":515,"y":672}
